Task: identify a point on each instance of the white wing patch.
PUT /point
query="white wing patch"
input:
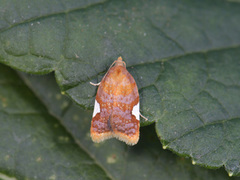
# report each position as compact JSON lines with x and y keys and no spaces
{"x":136,"y":112}
{"x":96,"y":108}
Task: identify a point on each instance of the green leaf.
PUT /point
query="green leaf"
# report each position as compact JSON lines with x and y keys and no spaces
{"x":34,"y":145}
{"x":183,"y":55}
{"x":146,"y":160}
{"x":200,"y":115}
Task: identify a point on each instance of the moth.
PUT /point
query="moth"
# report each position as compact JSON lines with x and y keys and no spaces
{"x":116,"y":109}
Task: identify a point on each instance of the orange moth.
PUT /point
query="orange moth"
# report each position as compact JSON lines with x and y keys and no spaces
{"x":116,"y":110}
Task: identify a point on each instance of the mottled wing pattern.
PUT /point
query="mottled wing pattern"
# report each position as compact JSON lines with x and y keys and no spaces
{"x":116,"y":111}
{"x":125,"y":123}
{"x":100,"y":129}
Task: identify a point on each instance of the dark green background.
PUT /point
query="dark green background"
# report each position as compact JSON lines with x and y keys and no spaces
{"x":184,"y":56}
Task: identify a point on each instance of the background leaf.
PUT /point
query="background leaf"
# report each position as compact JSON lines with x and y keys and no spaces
{"x":200,"y":114}
{"x":34,"y":145}
{"x":183,"y":55}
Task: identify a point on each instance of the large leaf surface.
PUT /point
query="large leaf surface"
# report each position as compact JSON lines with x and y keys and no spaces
{"x":146,"y":160}
{"x":183,"y":55}
{"x":200,"y":114}
{"x":34,"y":145}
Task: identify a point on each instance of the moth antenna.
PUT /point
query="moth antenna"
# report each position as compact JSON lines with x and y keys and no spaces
{"x":95,"y":84}
{"x":119,"y":61}
{"x":146,"y":119}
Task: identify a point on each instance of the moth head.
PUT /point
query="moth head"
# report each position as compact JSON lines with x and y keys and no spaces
{"x":119,"y":62}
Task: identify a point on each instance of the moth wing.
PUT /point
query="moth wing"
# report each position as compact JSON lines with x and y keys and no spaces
{"x":100,"y":129}
{"x":116,"y":109}
{"x":125,"y":113}
{"x":127,"y":132}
